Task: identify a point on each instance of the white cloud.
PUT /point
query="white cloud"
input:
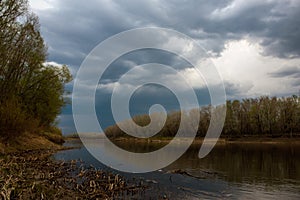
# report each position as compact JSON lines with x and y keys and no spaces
{"x":53,"y":64}
{"x":193,"y":78}
{"x":108,"y":86}
{"x":242,"y":63}
{"x":41,"y":4}
{"x":237,"y":7}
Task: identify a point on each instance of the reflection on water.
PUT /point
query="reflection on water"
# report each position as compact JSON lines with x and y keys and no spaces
{"x":232,"y":171}
{"x":247,"y":162}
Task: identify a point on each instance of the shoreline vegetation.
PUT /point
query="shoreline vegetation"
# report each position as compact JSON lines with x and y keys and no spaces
{"x":220,"y":141}
{"x":262,"y":117}
{"x":197,"y":140}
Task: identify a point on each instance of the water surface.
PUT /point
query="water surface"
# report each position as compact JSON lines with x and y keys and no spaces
{"x":232,"y":171}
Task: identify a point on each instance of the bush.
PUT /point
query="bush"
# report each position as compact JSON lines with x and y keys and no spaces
{"x":14,"y":120}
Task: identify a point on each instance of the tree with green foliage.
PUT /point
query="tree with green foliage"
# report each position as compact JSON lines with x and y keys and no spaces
{"x":31,"y":91}
{"x":260,"y":117}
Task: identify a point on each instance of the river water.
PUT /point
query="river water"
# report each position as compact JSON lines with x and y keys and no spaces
{"x":230,"y":171}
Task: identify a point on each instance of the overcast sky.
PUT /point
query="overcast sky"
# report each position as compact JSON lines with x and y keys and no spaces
{"x":254,"y":44}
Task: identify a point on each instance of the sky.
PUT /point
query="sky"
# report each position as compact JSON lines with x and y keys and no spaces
{"x":254,"y":44}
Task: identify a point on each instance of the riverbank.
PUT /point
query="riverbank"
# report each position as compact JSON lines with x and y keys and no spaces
{"x":28,"y":171}
{"x":220,"y":141}
{"x":27,"y":141}
{"x":33,"y":174}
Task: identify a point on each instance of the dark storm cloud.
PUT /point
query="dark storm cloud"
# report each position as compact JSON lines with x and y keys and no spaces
{"x":140,"y":57}
{"x":296,"y":82}
{"x":282,"y":35}
{"x":73,"y":28}
{"x":293,"y":72}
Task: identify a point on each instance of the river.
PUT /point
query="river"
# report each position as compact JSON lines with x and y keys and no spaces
{"x":230,"y":171}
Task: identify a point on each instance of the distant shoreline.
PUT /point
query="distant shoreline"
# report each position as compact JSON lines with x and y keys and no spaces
{"x":198,"y":140}
{"x":244,"y":140}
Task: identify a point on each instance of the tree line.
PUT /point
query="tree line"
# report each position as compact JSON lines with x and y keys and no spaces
{"x":264,"y":117}
{"x":31,"y":92}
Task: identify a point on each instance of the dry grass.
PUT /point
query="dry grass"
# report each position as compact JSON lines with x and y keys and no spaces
{"x":27,"y":141}
{"x":33,"y":175}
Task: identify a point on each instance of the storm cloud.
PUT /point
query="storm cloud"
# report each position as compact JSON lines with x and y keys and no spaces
{"x":72,"y":28}
{"x":292,"y":73}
